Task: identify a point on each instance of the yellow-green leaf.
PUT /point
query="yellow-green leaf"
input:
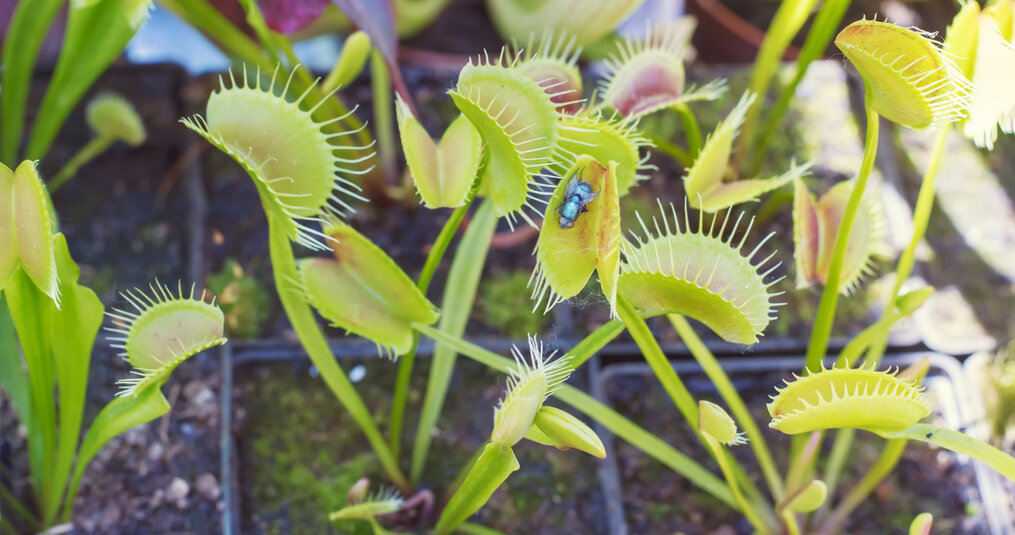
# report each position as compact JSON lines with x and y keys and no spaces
{"x":444,"y":173}
{"x":34,"y":230}
{"x":363,"y":291}
{"x":702,"y":274}
{"x":705,"y":181}
{"x":565,"y":431}
{"x":909,"y":80}
{"x":860,"y":398}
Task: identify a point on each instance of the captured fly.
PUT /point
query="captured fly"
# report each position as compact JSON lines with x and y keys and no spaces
{"x":577,"y":195}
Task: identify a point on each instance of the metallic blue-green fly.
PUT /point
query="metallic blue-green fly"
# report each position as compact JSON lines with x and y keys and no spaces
{"x":576,"y":196}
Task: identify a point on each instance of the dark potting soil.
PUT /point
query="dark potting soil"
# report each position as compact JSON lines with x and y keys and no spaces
{"x":657,"y":501}
{"x":300,"y":452}
{"x":161,"y":477}
{"x":126,"y":214}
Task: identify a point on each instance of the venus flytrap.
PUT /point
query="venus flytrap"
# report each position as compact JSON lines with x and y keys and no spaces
{"x":645,"y":76}
{"x":112,"y":119}
{"x":705,"y":182}
{"x":519,"y":413}
{"x":287,"y":153}
{"x":369,"y":506}
{"x":909,"y":80}
{"x":701,"y":273}
{"x":443,"y":173}
{"x":160,"y":333}
{"x":573,"y":245}
{"x":885,"y":403}
{"x":27,"y":233}
{"x":559,"y":429}
{"x":47,"y":349}
{"x":295,"y":166}
{"x":363,"y":291}
{"x":817,"y":223}
{"x":517,"y":120}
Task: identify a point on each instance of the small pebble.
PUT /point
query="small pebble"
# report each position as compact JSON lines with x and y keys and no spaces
{"x":155,"y":451}
{"x":187,"y":430}
{"x":177,"y":492}
{"x":110,"y":516}
{"x":208,"y":487}
{"x":357,"y":373}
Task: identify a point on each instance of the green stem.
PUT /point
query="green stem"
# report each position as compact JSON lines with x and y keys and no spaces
{"x":802,"y":466}
{"x":822,"y":329}
{"x":316,"y":345}
{"x":881,"y":468}
{"x":731,"y":479}
{"x":825,"y":24}
{"x":952,"y":440}
{"x":595,"y":341}
{"x":609,"y":418}
{"x":380,"y":85}
{"x":93,"y":148}
{"x":921,"y":214}
{"x":921,"y":218}
{"x":671,"y":382}
{"x":729,"y":393}
{"x":932,"y":434}
{"x":15,"y":505}
{"x":691,"y":129}
{"x":789,"y":518}
{"x":664,"y":146}
{"x":874,"y":339}
{"x":459,"y":296}
{"x":476,"y":529}
{"x":837,"y":463}
{"x":405,"y":364}
{"x":656,"y":360}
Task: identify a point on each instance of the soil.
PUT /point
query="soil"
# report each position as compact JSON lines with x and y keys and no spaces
{"x":290,"y":480}
{"x":660,"y":502}
{"x":161,"y":477}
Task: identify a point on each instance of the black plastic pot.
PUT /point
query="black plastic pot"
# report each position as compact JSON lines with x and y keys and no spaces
{"x":946,"y":384}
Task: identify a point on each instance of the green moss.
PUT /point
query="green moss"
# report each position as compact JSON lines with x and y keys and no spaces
{"x":504,"y":304}
{"x":242,"y":299}
{"x":301,"y":454}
